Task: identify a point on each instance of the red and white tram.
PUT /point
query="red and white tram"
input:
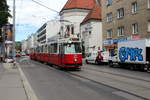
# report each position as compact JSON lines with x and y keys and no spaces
{"x":65,"y":53}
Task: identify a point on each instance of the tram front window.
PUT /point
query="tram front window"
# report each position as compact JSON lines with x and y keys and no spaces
{"x":72,"y":48}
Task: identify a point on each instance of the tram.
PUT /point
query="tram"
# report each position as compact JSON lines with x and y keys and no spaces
{"x":65,"y":52}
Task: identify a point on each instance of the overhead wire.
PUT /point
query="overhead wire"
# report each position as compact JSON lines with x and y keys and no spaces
{"x":45,"y":6}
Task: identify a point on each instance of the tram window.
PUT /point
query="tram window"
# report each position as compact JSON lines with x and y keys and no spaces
{"x":38,"y":49}
{"x":69,"y":48}
{"x":78,"y":48}
{"x":45,"y":49}
{"x":49,"y":49}
{"x":52,"y":48}
{"x":41,"y":49}
{"x":73,"y":48}
{"x":61,"y":49}
{"x":55,"y":48}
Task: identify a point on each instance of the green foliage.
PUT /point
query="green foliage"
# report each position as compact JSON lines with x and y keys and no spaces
{"x":18,"y":45}
{"x":4,"y":13}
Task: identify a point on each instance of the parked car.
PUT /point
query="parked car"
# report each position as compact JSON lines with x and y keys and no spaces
{"x":23,"y":54}
{"x":106,"y":57}
{"x":94,"y":58}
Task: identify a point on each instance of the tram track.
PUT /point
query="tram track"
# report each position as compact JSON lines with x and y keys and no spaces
{"x":87,"y":68}
{"x":115,"y":74}
{"x":78,"y":76}
{"x":125,"y":76}
{"x":83,"y":77}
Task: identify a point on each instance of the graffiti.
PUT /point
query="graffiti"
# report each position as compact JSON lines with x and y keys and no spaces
{"x":131,"y":54}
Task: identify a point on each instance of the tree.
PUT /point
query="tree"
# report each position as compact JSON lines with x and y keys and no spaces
{"x":18,"y":45}
{"x":4,"y":13}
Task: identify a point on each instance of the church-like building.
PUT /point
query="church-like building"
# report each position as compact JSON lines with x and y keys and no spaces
{"x":85,"y":16}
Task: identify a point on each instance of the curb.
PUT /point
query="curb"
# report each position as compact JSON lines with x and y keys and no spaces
{"x":28,"y":89}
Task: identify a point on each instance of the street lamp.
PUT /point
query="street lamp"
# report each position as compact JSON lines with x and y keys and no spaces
{"x":14,"y":22}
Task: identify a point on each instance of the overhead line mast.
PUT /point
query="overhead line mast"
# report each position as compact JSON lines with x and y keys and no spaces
{"x":14,"y":30}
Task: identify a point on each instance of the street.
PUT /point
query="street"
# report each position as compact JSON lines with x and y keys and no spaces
{"x":50,"y":83}
{"x":59,"y":53}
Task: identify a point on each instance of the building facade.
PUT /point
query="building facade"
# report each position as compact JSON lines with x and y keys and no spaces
{"x":24,"y":45}
{"x":52,"y":29}
{"x":74,"y":11}
{"x":48,"y":30}
{"x":125,"y":20}
{"x":41,"y":34}
{"x":91,"y":30}
{"x":8,"y":41}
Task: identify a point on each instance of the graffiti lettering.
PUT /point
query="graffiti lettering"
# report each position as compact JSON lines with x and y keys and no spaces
{"x":131,"y":54}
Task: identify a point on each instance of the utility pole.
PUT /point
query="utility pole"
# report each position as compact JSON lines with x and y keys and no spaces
{"x":14,"y":28}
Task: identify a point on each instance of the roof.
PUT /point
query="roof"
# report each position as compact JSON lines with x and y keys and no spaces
{"x":79,"y":4}
{"x":95,"y":14}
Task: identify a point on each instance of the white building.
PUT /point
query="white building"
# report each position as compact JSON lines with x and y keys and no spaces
{"x":35,"y":43}
{"x":52,"y":29}
{"x":75,"y":11}
{"x":31,"y":42}
{"x":24,"y":45}
{"x":91,"y":30}
{"x":48,"y":30}
{"x":41,"y":34}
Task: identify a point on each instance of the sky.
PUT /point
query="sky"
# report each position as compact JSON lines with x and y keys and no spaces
{"x":30,"y":16}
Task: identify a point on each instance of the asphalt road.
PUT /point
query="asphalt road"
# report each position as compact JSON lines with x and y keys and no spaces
{"x":50,"y":83}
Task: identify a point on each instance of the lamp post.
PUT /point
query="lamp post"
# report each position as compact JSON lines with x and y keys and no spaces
{"x":14,"y":22}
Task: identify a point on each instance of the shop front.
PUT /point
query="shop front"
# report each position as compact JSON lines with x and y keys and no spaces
{"x":111,"y":45}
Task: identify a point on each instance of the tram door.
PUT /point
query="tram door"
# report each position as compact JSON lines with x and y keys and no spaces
{"x":61,"y":54}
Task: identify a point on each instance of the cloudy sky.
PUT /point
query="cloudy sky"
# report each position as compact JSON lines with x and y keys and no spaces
{"x":30,"y":16}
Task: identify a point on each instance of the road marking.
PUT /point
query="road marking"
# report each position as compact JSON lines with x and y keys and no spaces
{"x":126,"y":95}
{"x":28,"y":89}
{"x":81,"y":79}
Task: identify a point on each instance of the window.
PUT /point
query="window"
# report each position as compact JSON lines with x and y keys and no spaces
{"x":120,"y":13}
{"x":149,"y":26}
{"x":52,"y":48}
{"x":149,"y":4}
{"x":109,"y":33}
{"x":108,"y":2}
{"x":134,"y":7}
{"x":109,"y":17}
{"x":72,"y":48}
{"x":135,"y":28}
{"x":120,"y":31}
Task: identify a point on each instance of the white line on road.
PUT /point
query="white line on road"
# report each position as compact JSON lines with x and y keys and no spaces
{"x":29,"y":91}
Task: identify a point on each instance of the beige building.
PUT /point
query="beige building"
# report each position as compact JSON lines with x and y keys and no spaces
{"x":125,"y":20}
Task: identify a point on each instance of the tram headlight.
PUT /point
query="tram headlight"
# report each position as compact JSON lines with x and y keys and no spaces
{"x":75,"y":59}
{"x":147,"y":62}
{"x":69,"y":41}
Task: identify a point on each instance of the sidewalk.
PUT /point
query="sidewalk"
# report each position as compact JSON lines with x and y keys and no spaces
{"x":11,"y":86}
